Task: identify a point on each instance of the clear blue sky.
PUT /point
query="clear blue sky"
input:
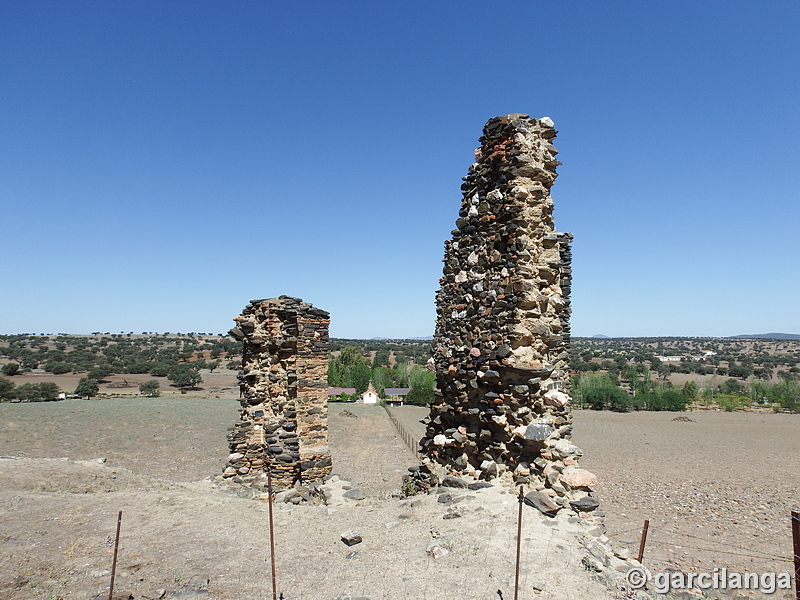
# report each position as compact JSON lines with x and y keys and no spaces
{"x":162,"y":163}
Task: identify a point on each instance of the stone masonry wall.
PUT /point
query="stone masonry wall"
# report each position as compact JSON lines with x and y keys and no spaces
{"x":284,"y":389}
{"x":501,"y":345}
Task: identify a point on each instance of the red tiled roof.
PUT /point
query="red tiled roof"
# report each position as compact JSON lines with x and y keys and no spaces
{"x":339,"y":391}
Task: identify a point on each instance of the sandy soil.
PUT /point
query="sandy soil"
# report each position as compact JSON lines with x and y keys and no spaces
{"x":184,"y":536}
{"x":717,"y":490}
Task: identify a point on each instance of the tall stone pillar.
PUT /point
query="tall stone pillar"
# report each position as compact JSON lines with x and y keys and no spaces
{"x":284,"y":392}
{"x":501,"y":344}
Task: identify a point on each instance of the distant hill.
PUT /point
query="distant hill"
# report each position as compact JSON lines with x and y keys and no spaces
{"x":768,"y":336}
{"x":600,"y":335}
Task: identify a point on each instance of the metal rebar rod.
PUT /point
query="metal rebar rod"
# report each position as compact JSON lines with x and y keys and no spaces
{"x":796,"y":552}
{"x":521,"y":499}
{"x":644,"y":540}
{"x":271,"y":534}
{"x":114,"y":561}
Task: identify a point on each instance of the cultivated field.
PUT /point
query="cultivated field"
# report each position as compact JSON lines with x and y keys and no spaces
{"x":718,"y":490}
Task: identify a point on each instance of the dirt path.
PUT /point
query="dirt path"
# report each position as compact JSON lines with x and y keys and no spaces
{"x":368,"y":450}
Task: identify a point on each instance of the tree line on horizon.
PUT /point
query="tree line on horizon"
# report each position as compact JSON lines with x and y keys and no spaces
{"x":178,"y":358}
{"x":603,"y":391}
{"x":629,"y":374}
{"x":603,"y":368}
{"x":350,"y":368}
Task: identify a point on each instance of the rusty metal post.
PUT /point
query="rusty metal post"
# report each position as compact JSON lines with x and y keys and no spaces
{"x":521,"y":499}
{"x":271,"y":534}
{"x":644,"y":539}
{"x":796,"y":552}
{"x":114,"y":561}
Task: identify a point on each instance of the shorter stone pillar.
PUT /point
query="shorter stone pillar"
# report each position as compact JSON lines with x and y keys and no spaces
{"x":284,"y":393}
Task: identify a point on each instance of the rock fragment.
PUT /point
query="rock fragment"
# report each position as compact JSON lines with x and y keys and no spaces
{"x":542,"y":502}
{"x":585,"y":504}
{"x":351,"y":537}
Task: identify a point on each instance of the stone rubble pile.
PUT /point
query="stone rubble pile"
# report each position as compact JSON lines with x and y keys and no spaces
{"x":501,"y":346}
{"x":284,"y":393}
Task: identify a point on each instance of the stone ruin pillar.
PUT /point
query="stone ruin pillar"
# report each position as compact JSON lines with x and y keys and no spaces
{"x":284,"y":393}
{"x":501,"y":345}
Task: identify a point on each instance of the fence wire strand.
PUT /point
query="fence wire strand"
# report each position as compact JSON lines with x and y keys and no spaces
{"x":758,"y":553}
{"x":656,"y":539}
{"x":405,"y":435}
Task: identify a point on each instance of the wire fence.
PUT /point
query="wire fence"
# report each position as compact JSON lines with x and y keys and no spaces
{"x":410,"y":440}
{"x":660,"y":542}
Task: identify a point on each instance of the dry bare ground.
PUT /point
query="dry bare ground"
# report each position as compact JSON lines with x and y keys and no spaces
{"x":718,"y":488}
{"x":727,"y":480}
{"x":184,"y":536}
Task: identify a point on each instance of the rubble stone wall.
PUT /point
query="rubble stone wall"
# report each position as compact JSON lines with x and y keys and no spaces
{"x":501,"y":345}
{"x":284,"y":392}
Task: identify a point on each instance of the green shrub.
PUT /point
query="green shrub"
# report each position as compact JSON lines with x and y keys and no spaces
{"x":10,"y":369}
{"x":731,"y":402}
{"x":732,"y":386}
{"x":608,"y":397}
{"x":49,"y":390}
{"x":138,"y":366}
{"x":600,"y":392}
{"x":57,"y":368}
{"x":99,"y":373}
{"x":421,"y":383}
{"x":343,"y":398}
{"x":184,"y":375}
{"x":27,"y":392}
{"x":37,"y":392}
{"x":786,"y":394}
{"x":6,"y":389}
{"x":87,"y":388}
{"x":150,"y":389}
{"x":160,"y":369}
{"x":665,"y":398}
